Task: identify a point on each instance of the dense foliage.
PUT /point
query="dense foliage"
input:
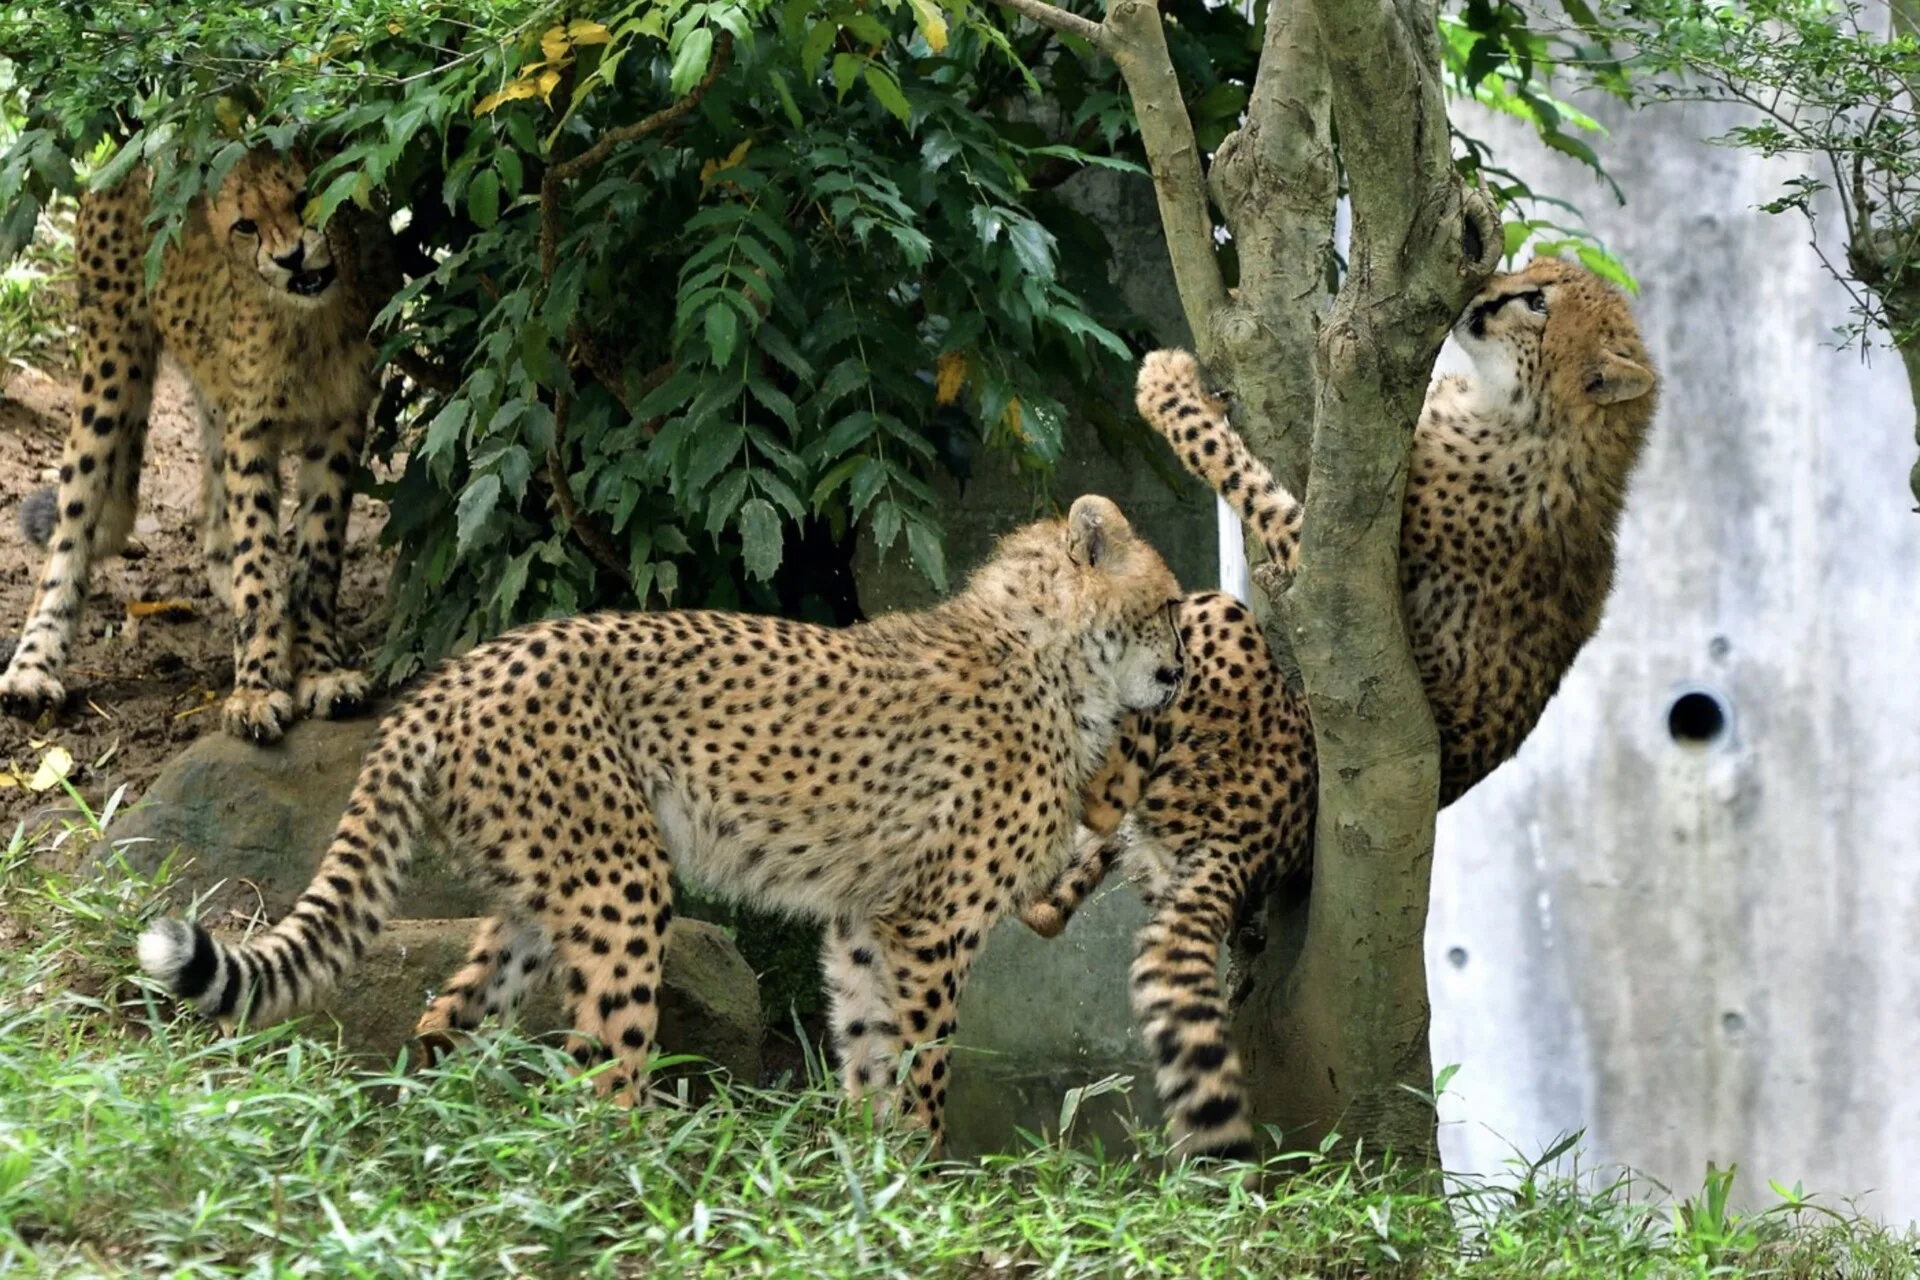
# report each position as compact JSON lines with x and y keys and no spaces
{"x":768,"y":322}
{"x":699,"y":289}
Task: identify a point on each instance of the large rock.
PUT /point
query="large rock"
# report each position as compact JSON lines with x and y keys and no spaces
{"x":254,"y":821}
{"x":709,"y":998}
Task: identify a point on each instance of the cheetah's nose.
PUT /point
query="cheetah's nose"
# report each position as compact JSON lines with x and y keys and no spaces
{"x":291,"y":261}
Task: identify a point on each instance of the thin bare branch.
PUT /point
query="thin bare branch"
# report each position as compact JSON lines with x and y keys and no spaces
{"x":1138,"y":46}
{"x":1058,"y":19}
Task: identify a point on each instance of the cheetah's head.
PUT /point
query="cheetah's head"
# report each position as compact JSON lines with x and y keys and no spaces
{"x":1557,"y":334}
{"x":256,"y":216}
{"x":1090,"y":584}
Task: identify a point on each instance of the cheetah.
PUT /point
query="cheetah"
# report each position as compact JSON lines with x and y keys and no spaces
{"x":906,"y":781}
{"x":1518,"y":476}
{"x":270,"y":320}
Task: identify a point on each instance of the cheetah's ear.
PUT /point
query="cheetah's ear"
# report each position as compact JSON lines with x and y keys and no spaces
{"x":1095,"y":531}
{"x":1614,"y":379}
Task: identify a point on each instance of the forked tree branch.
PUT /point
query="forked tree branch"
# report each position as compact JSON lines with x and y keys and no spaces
{"x":1422,"y":245}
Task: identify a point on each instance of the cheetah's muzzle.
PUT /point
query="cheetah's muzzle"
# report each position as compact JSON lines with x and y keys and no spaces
{"x":311,"y":284}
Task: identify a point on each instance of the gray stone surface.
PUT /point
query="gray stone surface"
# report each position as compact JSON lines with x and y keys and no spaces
{"x":1039,"y":1017}
{"x":255,"y":821}
{"x":709,"y":998}
{"x":1705,"y":953}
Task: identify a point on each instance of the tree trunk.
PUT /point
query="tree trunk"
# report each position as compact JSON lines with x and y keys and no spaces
{"x":1329,"y":1041}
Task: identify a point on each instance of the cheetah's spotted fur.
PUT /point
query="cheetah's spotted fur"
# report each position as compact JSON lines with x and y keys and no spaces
{"x":1517,"y":480}
{"x":269,"y":318}
{"x":907,"y":781}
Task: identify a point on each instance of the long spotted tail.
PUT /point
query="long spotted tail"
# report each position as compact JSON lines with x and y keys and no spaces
{"x":1182,"y":1009}
{"x":295,"y":963}
{"x":1173,"y":398}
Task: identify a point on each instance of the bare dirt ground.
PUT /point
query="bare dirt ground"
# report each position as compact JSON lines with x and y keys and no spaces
{"x":139,"y":689}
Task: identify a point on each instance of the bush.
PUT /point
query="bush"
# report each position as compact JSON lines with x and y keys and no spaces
{"x":693,"y":284}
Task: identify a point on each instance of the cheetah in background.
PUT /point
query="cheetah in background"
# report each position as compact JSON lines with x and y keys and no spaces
{"x":1518,"y":476}
{"x":906,"y":781}
{"x":269,"y":318}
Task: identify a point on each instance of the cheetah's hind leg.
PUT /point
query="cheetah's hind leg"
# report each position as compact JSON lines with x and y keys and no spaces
{"x":510,"y":956}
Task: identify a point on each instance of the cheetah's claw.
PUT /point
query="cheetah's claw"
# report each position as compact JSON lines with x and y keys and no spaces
{"x":29,"y":693}
{"x":331,"y":695}
{"x":259,"y":715}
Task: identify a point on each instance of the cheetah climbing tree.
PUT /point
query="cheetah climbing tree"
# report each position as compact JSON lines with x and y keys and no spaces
{"x":1334,"y":1032}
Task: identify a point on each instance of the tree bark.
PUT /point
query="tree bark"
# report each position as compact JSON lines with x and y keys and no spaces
{"x":1337,"y":1038}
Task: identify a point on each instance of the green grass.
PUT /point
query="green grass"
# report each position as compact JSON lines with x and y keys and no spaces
{"x":131,"y":1144}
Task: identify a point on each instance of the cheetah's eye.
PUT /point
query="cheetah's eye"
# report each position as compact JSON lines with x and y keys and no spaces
{"x":1537,"y":302}
{"x":245,"y":227}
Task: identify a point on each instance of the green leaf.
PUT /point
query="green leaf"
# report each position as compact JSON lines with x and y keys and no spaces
{"x":886,"y":525}
{"x":988,"y":222}
{"x":776,"y":344}
{"x":690,"y":63}
{"x":483,"y":198}
{"x":477,"y":501}
{"x":115,"y":170}
{"x":788,"y":106}
{"x":886,"y":90}
{"x":923,"y":543}
{"x":941,"y":146}
{"x":819,"y":40}
{"x":715,"y":449}
{"x":834,"y":478}
{"x":1032,"y":246}
{"x":760,"y":537}
{"x":1224,"y":101}
{"x":872,"y":474}
{"x":513,"y":580}
{"x":846,"y":69}
{"x":445,"y":428}
{"x":725,"y":500}
{"x":723,"y":332}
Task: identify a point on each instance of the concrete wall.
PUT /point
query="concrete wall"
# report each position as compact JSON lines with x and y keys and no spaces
{"x":1712,"y":952}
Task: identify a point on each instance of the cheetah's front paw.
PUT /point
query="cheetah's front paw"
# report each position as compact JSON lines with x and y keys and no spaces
{"x":26,"y":692}
{"x":331,"y":695}
{"x":1044,"y":918}
{"x":258,"y":715}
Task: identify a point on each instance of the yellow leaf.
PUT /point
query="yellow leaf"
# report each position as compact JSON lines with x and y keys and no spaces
{"x":549,"y":81}
{"x":713,"y":168}
{"x":56,"y":764}
{"x":394,"y":28}
{"x":932,"y":24}
{"x":1011,"y":418}
{"x":555,"y":45}
{"x":950,"y":375}
{"x":581,"y":31}
{"x":518,"y":89}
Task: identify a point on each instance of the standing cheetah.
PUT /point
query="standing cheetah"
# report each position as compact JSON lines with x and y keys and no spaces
{"x":1517,"y":480}
{"x":906,"y":781}
{"x":269,"y":318}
